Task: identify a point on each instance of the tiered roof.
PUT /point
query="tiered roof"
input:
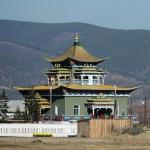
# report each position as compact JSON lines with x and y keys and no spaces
{"x":76,"y":52}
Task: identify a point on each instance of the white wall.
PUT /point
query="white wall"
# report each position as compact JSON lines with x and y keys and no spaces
{"x":12,"y":104}
{"x":27,"y":130}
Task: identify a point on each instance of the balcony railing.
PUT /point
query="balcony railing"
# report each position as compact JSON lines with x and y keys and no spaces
{"x":96,"y":82}
{"x":79,"y":81}
{"x":63,"y":81}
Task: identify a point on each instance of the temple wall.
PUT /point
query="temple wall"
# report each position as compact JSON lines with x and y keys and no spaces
{"x":59,"y":102}
{"x":70,"y":101}
{"x":123,"y":105}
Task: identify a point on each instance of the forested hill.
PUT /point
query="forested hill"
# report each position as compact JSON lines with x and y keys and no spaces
{"x":24,"y":44}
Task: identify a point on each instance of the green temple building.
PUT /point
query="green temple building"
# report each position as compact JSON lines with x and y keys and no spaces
{"x":76,"y":88}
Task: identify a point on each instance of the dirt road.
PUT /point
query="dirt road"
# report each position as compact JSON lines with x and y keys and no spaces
{"x":120,"y":142}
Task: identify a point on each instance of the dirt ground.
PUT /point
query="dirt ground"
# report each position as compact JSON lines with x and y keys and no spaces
{"x":116,"y":142}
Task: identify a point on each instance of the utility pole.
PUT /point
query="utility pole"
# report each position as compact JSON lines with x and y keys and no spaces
{"x":145,"y":112}
{"x":50,"y":100}
{"x":131,"y":112}
{"x":115,"y":102}
{"x":131,"y":109}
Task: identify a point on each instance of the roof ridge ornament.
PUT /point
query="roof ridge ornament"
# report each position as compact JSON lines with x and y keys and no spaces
{"x":76,"y":39}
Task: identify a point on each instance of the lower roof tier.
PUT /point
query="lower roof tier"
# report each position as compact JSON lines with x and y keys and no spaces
{"x":101,"y":87}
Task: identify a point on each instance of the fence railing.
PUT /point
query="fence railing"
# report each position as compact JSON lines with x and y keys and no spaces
{"x":29,"y":130}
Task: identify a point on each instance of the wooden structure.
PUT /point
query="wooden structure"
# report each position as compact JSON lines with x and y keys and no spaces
{"x":97,"y":128}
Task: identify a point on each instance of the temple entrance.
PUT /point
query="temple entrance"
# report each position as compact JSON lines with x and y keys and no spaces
{"x":100,"y":108}
{"x":100,"y":113}
{"x":44,"y":111}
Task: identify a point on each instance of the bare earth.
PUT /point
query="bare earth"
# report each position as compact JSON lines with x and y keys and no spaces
{"x":116,"y":142}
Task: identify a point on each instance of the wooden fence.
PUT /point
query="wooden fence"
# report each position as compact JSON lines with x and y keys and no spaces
{"x":101,"y":127}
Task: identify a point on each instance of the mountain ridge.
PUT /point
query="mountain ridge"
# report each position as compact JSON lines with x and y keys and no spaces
{"x":129,"y":50}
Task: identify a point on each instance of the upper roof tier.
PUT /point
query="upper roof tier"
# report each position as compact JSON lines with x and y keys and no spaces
{"x":76,"y":52}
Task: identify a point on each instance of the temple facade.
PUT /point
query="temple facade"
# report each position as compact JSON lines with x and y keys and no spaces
{"x":76,"y":88}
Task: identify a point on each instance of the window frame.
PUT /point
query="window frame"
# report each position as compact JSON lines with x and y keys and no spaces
{"x":78,"y":110}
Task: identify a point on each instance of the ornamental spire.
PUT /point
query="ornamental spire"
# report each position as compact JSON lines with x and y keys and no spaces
{"x":76,"y":39}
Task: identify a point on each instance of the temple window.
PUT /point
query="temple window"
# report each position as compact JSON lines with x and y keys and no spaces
{"x":85,"y":77}
{"x":101,"y":79}
{"x":94,"y":77}
{"x":62,"y":77}
{"x":76,"y":109}
{"x":77,"y":77}
{"x":67,"y":77}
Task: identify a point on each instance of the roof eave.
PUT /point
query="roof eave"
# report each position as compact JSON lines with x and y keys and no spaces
{"x":52,"y":60}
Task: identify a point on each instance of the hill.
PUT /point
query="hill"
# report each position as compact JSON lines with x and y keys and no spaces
{"x":23,"y":45}
{"x":20,"y":65}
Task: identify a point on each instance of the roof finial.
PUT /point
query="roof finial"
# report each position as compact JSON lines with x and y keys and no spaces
{"x":76,"y":39}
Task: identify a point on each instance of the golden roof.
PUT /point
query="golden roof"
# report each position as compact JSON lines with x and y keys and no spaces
{"x":39,"y":87}
{"x":43,"y":103}
{"x":76,"y":52}
{"x":100,"y":87}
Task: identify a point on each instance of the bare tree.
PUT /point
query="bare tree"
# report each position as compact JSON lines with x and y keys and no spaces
{"x":3,"y":106}
{"x":32,"y":108}
{"x":18,"y":115}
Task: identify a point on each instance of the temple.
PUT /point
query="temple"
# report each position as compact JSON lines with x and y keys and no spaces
{"x":76,"y":88}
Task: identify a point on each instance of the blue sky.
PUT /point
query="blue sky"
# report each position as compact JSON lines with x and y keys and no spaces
{"x":119,"y":14}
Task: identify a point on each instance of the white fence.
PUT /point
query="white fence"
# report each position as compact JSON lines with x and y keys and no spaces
{"x":27,"y":130}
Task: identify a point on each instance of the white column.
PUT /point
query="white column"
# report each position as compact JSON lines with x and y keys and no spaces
{"x":81,"y":79}
{"x":118,"y":111}
{"x":90,"y":79}
{"x":112,"y":107}
{"x":93,"y":110}
{"x":58,"y":80}
{"x":100,"y":79}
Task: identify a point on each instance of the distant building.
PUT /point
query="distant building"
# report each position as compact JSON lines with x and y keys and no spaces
{"x":76,"y":86}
